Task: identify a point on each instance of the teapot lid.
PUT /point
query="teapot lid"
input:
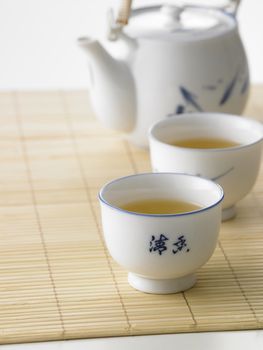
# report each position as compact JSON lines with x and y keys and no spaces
{"x":179,"y":22}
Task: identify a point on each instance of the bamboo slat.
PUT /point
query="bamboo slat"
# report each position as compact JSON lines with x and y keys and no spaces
{"x":57,"y":280}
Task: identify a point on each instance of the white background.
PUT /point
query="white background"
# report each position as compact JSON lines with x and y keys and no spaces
{"x":38,"y":40}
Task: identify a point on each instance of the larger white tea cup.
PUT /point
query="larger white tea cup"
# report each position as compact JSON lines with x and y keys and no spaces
{"x":161,"y":251}
{"x":234,"y":168}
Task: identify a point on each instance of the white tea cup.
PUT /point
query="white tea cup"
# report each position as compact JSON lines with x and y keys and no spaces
{"x":161,"y":251}
{"x":234,"y":168}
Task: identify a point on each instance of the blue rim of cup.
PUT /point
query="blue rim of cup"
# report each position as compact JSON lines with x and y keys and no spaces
{"x":228,"y":149}
{"x":100,"y":196}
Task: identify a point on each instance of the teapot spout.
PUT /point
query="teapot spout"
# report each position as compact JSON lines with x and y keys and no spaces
{"x":111,"y":87}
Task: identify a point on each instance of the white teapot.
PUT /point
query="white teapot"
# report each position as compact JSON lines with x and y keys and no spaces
{"x":167,"y":60}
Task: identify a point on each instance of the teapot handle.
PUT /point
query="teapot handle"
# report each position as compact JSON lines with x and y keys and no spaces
{"x":124,"y":12}
{"x":115,"y":25}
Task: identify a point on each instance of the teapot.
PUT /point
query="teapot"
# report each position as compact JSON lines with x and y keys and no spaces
{"x":169,"y":59}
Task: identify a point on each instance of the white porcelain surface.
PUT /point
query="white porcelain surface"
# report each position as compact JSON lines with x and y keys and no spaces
{"x":235,"y":169}
{"x":167,"y":286}
{"x":146,"y":77}
{"x":163,"y":248}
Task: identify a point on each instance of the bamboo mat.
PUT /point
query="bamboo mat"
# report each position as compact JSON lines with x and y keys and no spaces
{"x":56,"y":279}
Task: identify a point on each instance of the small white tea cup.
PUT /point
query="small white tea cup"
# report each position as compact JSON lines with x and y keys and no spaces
{"x":161,"y":252}
{"x":235,"y":168}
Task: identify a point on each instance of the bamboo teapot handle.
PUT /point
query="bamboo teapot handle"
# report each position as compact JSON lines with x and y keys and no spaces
{"x":124,"y":12}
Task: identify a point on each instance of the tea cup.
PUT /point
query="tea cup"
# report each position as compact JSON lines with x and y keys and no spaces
{"x":234,"y":168}
{"x":161,"y":252}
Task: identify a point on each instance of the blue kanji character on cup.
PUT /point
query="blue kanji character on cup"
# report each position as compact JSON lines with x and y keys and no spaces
{"x":180,"y":245}
{"x":158,"y":245}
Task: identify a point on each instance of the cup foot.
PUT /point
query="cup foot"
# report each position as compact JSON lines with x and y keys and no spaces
{"x":228,"y":213}
{"x":165,"y":286}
